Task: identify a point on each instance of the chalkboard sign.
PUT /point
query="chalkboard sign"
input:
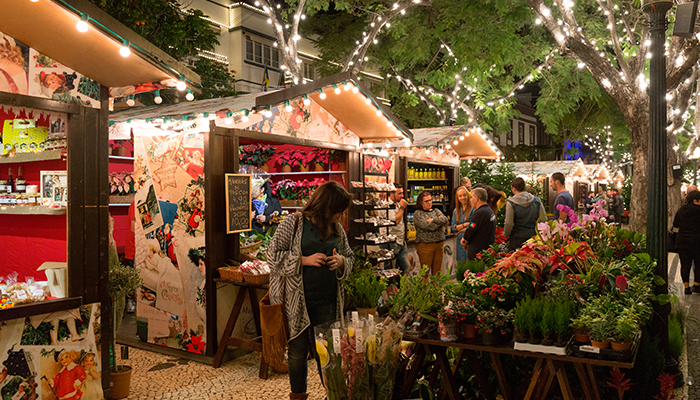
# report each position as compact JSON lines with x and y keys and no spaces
{"x":238,"y":203}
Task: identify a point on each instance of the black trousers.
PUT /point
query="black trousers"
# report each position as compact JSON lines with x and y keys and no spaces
{"x":687,"y":257}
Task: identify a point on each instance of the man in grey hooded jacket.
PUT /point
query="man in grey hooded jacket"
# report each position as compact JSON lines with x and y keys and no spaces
{"x":522,"y":212}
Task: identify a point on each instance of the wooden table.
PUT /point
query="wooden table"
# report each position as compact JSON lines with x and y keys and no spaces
{"x":226,"y":339}
{"x":547,"y":367}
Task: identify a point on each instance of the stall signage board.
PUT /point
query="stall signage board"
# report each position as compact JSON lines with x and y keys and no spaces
{"x":238,"y":203}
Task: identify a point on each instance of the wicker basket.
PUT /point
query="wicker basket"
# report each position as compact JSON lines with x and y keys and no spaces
{"x":256,"y":279}
{"x":231,"y":274}
{"x":251,"y":247}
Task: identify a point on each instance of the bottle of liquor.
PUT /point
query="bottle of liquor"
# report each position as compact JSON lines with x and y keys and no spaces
{"x":20,"y":184}
{"x":10,"y":188}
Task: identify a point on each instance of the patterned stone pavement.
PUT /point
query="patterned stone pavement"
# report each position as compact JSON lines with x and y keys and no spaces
{"x":158,"y":376}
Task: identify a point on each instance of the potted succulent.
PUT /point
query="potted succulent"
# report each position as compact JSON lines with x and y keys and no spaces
{"x":122,"y":282}
{"x":365,"y":288}
{"x":256,"y":154}
{"x":563,"y":311}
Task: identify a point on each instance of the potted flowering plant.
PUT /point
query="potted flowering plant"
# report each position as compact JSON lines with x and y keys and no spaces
{"x":447,"y":319}
{"x":256,"y":154}
{"x":321,"y":157}
{"x":338,"y":157}
{"x":494,"y":325}
{"x":288,"y":159}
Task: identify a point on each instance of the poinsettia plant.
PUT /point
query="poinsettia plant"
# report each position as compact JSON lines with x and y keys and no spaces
{"x":320,"y":156}
{"x":291,"y":158}
{"x":255,"y":154}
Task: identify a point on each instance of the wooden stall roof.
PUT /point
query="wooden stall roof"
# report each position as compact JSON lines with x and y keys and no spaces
{"x":358,"y":109}
{"x":598,"y":172}
{"x":474,"y":145}
{"x":49,"y":26}
{"x":348,"y":107}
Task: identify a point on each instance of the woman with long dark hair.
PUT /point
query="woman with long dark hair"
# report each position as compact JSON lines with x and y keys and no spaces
{"x":309,"y":257}
{"x":687,"y":220}
{"x":430,"y":235}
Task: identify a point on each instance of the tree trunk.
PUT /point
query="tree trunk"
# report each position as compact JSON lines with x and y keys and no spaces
{"x":636,"y":113}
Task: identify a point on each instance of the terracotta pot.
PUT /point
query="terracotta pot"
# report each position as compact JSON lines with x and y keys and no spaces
{"x":449,"y":332}
{"x":582,"y":337}
{"x":320,"y":167}
{"x":621,"y":346}
{"x":469,"y":331}
{"x":289,"y":203}
{"x":265,"y":168}
{"x":120,"y":382}
{"x":120,"y":151}
{"x":303,"y":168}
{"x":287,"y":168}
{"x":342,"y":166}
{"x":364,"y":312}
{"x":600,"y":345}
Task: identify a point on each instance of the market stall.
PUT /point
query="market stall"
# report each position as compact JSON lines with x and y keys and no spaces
{"x":431,"y":164}
{"x":303,"y":136}
{"x":54,"y":102}
{"x":576,"y":173}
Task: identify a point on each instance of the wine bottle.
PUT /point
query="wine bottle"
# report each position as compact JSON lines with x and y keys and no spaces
{"x":10,"y":182}
{"x":20,"y":184}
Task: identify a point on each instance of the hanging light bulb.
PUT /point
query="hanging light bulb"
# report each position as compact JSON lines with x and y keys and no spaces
{"x":158,"y":99}
{"x":307,"y":101}
{"x":181,"y":85}
{"x":346,"y":87}
{"x":355,"y":89}
{"x":82,"y":25}
{"x":337,"y":90}
{"x":461,"y":137}
{"x":455,"y":142}
{"x":245,"y":116}
{"x":368,"y":101}
{"x":322,"y":96}
{"x":379,"y":113}
{"x":124,"y":51}
{"x":190,"y":95}
{"x":289,"y":107}
{"x":228,"y":120}
{"x":130,"y":101}
{"x":440,"y":150}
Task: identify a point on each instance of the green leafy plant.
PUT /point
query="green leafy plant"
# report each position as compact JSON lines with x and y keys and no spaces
{"x":420,"y":293}
{"x":675,"y":335}
{"x":534,"y":315}
{"x":602,"y":328}
{"x":563,"y":311}
{"x":548,"y":321}
{"x":626,"y":327}
{"x":365,"y":288}
{"x":520,"y":315}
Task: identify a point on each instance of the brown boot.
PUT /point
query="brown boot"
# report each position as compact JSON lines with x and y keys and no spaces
{"x":298,"y":396}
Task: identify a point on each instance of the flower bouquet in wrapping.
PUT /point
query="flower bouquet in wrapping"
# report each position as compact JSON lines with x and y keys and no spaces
{"x":384,"y":355}
{"x":342,"y":349}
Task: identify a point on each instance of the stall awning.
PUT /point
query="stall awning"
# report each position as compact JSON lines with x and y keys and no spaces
{"x":471,"y":141}
{"x":598,"y":172}
{"x":347,"y":99}
{"x":574,"y":169}
{"x":49,"y":26}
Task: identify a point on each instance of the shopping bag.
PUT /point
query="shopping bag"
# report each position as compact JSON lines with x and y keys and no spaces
{"x":274,"y":334}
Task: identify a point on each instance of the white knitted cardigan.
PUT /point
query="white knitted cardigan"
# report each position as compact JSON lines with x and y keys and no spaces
{"x":284,"y":259}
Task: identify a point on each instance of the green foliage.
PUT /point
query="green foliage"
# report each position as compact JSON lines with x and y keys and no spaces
{"x":41,"y":335}
{"x":421,"y":293}
{"x":676,"y":336}
{"x":123,"y":280}
{"x":520,"y":315}
{"x":179,"y":34}
{"x":365,"y":288}
{"x":548,"y":321}
{"x":532,"y":317}
{"x":564,"y":310}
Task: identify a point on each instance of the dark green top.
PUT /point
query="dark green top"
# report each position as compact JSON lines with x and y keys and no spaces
{"x":320,"y":283}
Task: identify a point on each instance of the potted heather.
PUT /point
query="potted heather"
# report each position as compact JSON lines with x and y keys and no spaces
{"x":256,"y":154}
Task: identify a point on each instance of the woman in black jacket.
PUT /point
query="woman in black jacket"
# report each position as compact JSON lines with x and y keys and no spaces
{"x":264,"y":205}
{"x":687,"y":220}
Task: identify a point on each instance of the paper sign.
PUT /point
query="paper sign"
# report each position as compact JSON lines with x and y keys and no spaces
{"x":336,"y":340}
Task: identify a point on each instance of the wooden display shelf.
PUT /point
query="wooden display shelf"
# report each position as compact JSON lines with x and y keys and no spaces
{"x":32,"y":210}
{"x":45,"y":155}
{"x":119,"y":200}
{"x":123,"y":158}
{"x":424,"y":180}
{"x":306,"y":173}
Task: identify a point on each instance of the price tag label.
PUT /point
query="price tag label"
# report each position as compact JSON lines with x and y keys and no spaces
{"x":336,"y":340}
{"x":589,"y":349}
{"x":355,"y":317}
{"x":359,"y":337}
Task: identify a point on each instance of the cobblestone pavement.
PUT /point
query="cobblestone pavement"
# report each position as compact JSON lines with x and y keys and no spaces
{"x":157,"y":376}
